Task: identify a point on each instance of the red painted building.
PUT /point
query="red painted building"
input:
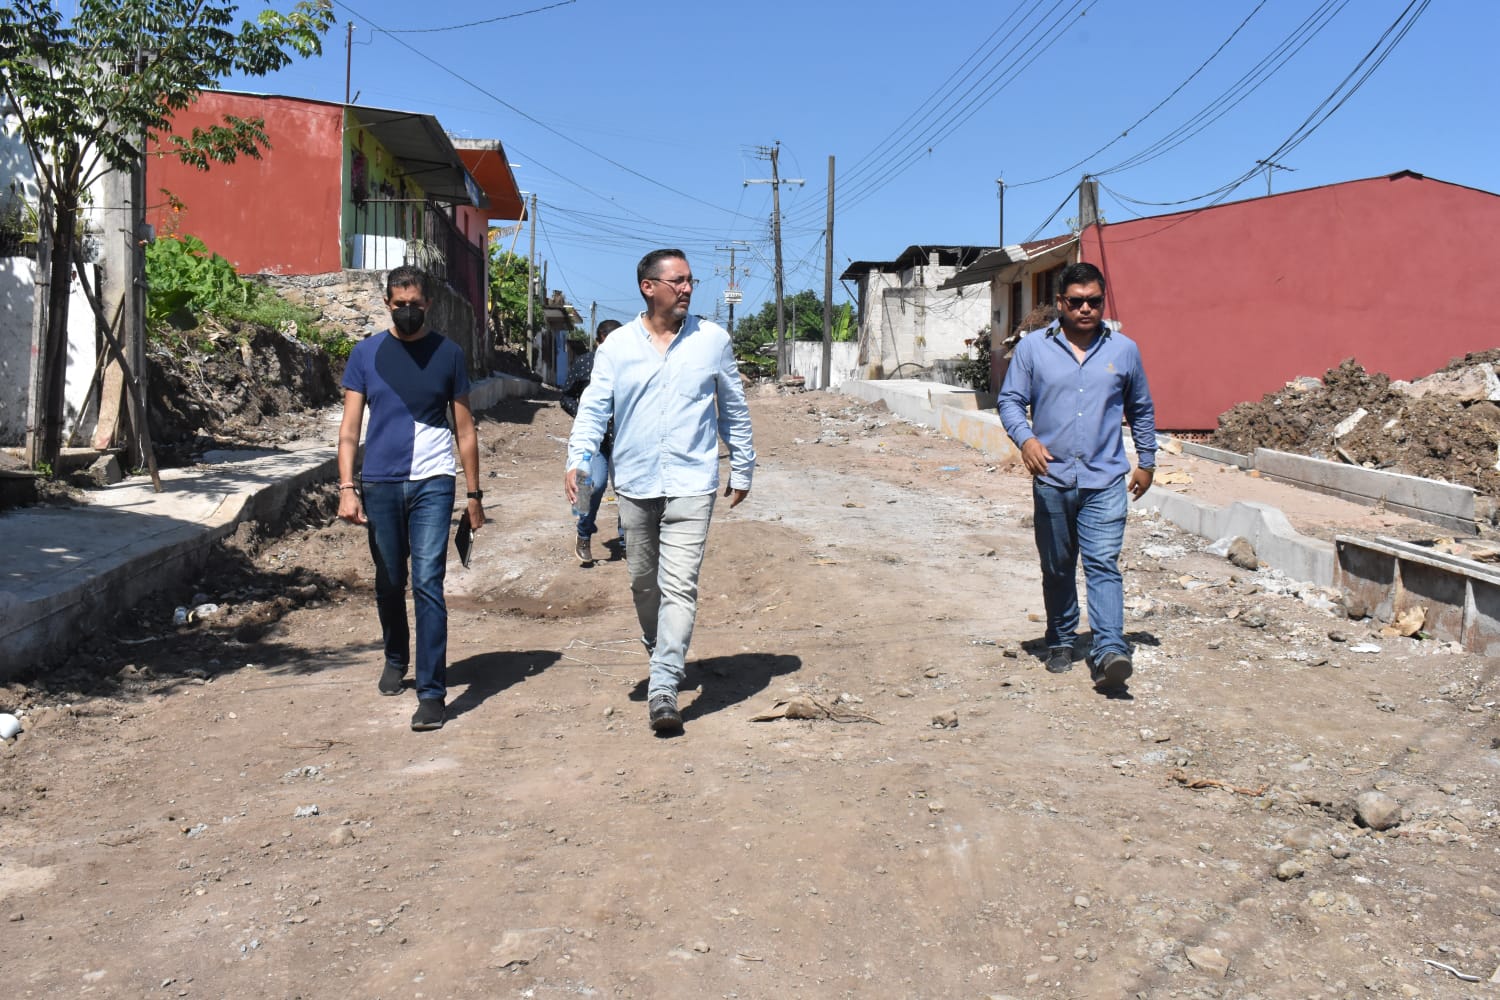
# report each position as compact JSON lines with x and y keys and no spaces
{"x":1231,"y":302}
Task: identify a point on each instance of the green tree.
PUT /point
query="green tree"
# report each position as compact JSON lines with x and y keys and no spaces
{"x":93,"y":89}
{"x":804,"y":321}
{"x":508,"y":282}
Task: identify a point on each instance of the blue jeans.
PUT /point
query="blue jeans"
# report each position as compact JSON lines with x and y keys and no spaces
{"x":409,"y":521}
{"x":1090,"y":523}
{"x":588,"y":523}
{"x":667,"y":538}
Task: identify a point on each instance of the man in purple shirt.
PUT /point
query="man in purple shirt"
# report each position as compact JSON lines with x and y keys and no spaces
{"x":1080,"y":378}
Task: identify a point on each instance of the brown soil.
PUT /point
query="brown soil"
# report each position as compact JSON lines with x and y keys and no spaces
{"x":244,"y":386}
{"x":1435,"y":436}
{"x":963,"y":824}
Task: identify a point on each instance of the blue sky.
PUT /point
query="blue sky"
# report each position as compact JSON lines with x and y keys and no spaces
{"x":637,"y":124}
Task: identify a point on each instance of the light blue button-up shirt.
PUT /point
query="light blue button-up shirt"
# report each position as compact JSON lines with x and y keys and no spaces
{"x":1077,"y":406}
{"x":670,"y":411}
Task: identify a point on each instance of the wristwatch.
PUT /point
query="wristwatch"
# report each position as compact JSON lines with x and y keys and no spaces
{"x":475,"y":494}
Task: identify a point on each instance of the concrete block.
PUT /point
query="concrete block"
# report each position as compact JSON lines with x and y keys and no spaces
{"x":1276,"y":542}
{"x":1462,"y":597}
{"x":1368,"y":575}
{"x":1443,"y":504}
{"x":1216,"y":454}
{"x":980,"y":430}
{"x":1482,"y":625}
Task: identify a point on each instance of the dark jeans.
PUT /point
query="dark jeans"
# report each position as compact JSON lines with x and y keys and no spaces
{"x":1089,"y":523}
{"x":409,"y":521}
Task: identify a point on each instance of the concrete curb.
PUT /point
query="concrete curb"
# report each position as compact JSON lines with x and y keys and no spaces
{"x":1389,"y":576}
{"x":1276,"y":542}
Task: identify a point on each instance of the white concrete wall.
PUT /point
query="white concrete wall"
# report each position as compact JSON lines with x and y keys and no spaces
{"x":807,"y":361}
{"x":17,"y":295}
{"x":906,"y":321}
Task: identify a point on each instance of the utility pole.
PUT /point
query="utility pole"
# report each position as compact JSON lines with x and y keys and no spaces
{"x":1000,"y":193}
{"x":732,"y":295}
{"x":348,"y":58}
{"x":1088,"y":202}
{"x":827,"y":285}
{"x":1271,"y":166}
{"x":593,"y":312}
{"x":776,"y":180}
{"x":531,"y":284}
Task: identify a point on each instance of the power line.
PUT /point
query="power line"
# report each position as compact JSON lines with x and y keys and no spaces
{"x":534,"y":120}
{"x":1367,"y":65}
{"x":1159,"y":105}
{"x":475,"y":24}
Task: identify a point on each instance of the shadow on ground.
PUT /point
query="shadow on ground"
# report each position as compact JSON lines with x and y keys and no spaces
{"x":723,"y":681}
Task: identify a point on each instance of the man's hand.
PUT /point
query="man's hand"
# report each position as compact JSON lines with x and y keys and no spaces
{"x":350,"y":509}
{"x":1035,"y":456}
{"x":570,"y":485}
{"x":476,"y":514}
{"x":735,"y":496}
{"x":1140,"y":482}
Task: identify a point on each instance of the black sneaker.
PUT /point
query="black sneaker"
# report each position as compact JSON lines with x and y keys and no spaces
{"x":428,"y":716}
{"x":664,"y":714}
{"x":1110,"y":671}
{"x":1059,"y":659}
{"x":392,"y":679}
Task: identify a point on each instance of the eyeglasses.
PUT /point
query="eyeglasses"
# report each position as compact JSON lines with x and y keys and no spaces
{"x":1076,"y":302}
{"x":684,"y":282}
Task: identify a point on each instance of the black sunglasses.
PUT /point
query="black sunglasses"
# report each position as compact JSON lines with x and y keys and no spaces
{"x":1075,"y":302}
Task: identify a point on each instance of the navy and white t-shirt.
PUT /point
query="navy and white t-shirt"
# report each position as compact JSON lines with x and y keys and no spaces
{"x":408,"y":386}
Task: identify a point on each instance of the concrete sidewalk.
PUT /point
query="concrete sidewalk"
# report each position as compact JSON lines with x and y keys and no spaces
{"x":69,"y":570}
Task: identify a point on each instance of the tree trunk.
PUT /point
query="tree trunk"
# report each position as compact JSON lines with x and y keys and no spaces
{"x":55,"y":365}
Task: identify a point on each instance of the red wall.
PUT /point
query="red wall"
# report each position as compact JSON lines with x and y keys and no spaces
{"x":1232,"y":302}
{"x":278,"y":214}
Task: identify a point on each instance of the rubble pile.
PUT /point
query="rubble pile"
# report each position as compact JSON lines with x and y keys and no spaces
{"x":1444,"y":426}
{"x":255,"y":386}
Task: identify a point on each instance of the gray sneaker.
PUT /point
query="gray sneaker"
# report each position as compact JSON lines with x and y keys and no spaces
{"x":664,"y":714}
{"x":584,"y":551}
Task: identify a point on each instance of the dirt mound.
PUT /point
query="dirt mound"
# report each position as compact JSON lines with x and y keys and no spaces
{"x":1436,"y":435}
{"x":251,"y":386}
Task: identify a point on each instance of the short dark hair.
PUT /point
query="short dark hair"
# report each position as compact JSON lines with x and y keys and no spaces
{"x":607,"y":327}
{"x":407,"y":276}
{"x":648,"y":266}
{"x":1081,"y":273}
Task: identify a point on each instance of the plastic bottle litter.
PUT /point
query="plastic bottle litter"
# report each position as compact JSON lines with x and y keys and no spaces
{"x":585,"y":483}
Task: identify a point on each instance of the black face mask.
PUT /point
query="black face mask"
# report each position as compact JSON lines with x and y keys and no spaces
{"x":408,"y":319}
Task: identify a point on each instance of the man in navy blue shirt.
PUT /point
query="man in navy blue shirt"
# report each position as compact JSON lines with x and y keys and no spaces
{"x":1080,"y":378}
{"x":410,"y":377}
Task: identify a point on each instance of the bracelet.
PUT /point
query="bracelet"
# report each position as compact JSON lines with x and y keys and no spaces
{"x":347,"y":486}
{"x":475,"y":494}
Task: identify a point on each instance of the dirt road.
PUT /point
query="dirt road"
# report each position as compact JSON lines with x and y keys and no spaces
{"x":230,"y":809}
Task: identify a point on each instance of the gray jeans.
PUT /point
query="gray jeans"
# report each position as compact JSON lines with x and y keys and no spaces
{"x":667,"y":536}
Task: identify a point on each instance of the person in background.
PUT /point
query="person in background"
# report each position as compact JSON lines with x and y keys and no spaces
{"x":578,"y":378}
{"x":409,"y":376}
{"x":1079,"y":377}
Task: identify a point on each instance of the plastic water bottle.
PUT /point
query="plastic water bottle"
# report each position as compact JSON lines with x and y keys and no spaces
{"x":585,"y":483}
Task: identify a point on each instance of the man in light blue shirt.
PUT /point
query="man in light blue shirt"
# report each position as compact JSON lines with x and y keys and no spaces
{"x":671,"y":384}
{"x":1080,"y":379}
